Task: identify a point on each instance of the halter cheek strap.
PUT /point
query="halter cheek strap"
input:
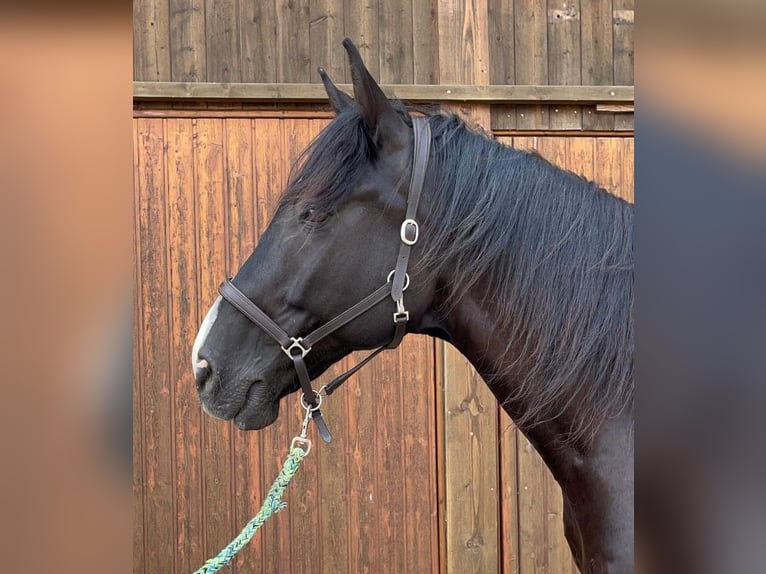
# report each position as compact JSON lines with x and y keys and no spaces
{"x":397,"y":282}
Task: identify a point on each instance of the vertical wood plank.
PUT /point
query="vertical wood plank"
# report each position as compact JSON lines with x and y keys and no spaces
{"x":184,"y":297}
{"x":531,"y":49}
{"x":580,"y":157}
{"x":471,"y":467}
{"x":554,"y":150}
{"x":564,"y":59}
{"x":222,"y":42}
{"x":187,"y":41}
{"x":596,"y":43}
{"x":509,"y":495}
{"x":363,"y":496}
{"x":623,"y":53}
{"x":389,"y":463}
{"x":293,"y":47}
{"x":419,"y":455}
{"x":157,"y":407}
{"x":416,"y":386}
{"x":151,"y":41}
{"x":425,"y":38}
{"x":533,"y":556}
{"x":559,"y":556}
{"x":395,"y":39}
{"x":470,"y":419}
{"x":139,"y":541}
{"x":628,"y":166}
{"x":325,"y":37}
{"x":608,"y":157}
{"x":258,"y":33}
{"x":211,"y":245}
{"x":502,"y":58}
{"x":361,"y":24}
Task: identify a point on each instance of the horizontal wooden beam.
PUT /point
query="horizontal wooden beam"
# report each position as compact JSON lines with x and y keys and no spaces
{"x":408,"y":92}
{"x":615,"y":108}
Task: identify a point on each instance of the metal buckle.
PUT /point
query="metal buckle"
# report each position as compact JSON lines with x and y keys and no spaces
{"x":406,"y":279}
{"x":409,"y":224}
{"x":296,"y":342}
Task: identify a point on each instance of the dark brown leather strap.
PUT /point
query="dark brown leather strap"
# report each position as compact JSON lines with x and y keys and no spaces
{"x":250,"y":310}
{"x":348,"y":315}
{"x":410,"y":230}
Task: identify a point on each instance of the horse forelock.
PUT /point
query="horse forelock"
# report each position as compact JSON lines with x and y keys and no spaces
{"x":324,"y":172}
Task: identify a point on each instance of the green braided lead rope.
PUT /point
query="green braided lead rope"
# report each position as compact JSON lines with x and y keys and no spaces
{"x":272,"y":504}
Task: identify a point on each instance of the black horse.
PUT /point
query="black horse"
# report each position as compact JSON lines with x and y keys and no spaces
{"x":525,"y":268}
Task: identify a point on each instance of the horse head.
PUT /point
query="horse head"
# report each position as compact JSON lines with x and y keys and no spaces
{"x":333,"y":241}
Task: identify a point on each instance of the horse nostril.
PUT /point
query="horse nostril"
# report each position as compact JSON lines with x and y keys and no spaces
{"x":202,"y":374}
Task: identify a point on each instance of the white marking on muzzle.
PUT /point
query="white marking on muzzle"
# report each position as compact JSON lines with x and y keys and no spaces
{"x":202,"y":334}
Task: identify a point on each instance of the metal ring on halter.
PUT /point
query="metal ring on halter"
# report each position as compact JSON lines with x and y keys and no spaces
{"x":406,"y":279}
{"x":309,"y":407}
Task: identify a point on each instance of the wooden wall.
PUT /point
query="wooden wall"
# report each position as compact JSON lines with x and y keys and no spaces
{"x":402,"y":41}
{"x":438,"y":480}
{"x":501,"y":42}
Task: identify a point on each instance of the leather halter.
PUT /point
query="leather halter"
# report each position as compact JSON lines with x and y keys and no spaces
{"x":397,"y":282}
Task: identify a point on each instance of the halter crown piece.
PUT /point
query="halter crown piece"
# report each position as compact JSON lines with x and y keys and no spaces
{"x":397,"y":282}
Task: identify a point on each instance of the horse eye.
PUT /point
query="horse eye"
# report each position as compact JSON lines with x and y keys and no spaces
{"x":314,"y":216}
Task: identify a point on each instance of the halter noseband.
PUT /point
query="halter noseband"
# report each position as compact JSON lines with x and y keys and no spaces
{"x":397,"y":282}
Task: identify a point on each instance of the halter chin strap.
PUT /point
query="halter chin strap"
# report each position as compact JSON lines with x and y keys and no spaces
{"x":397,"y":282}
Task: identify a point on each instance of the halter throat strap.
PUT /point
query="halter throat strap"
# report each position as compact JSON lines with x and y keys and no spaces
{"x":298,"y":347}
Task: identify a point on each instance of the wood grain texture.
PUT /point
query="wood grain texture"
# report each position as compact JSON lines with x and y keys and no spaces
{"x":596,"y":66}
{"x":509,"y":495}
{"x":530,"y":43}
{"x":395,"y":42}
{"x":181,"y":195}
{"x":425,"y":41}
{"x":564,"y":57}
{"x":623,"y":23}
{"x":361,"y":24}
{"x":156,"y":409}
{"x":326,"y":35}
{"x":293,"y":41}
{"x":445,"y":92}
{"x":151,"y":40}
{"x":188,"y":54}
{"x":502,"y":58}
{"x":223,"y":42}
{"x":258,"y":33}
{"x":531,"y":49}
{"x":470,"y":420}
{"x":209,"y":158}
{"x":138,"y":394}
{"x":471,"y":467}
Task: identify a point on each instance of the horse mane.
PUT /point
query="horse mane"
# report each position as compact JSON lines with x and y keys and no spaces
{"x":550,"y":251}
{"x":553,"y":254}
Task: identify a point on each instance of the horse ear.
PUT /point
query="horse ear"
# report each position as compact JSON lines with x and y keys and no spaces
{"x":381,"y":119}
{"x":338,"y":100}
